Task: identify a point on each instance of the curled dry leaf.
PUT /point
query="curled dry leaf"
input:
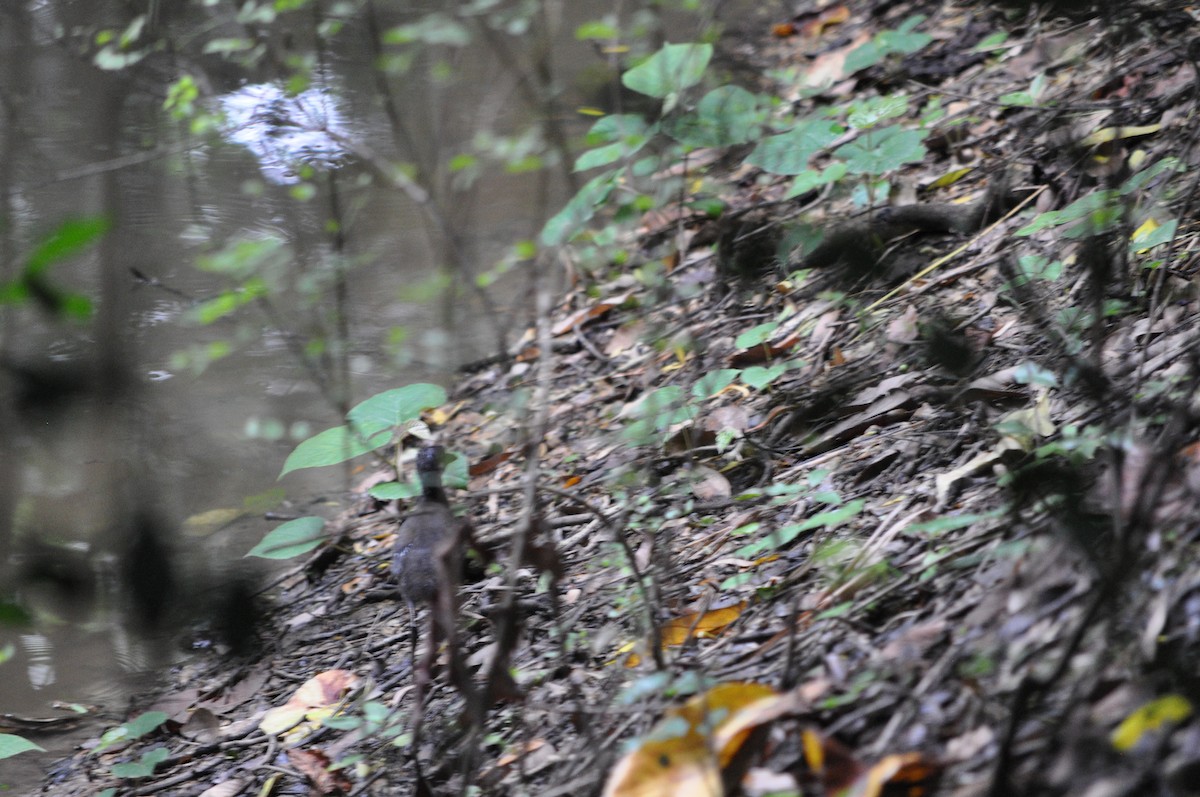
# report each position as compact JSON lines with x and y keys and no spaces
{"x":840,"y":772}
{"x":589,"y":313}
{"x":687,"y":750}
{"x":701,"y":625}
{"x":201,"y":726}
{"x":319,"y":692}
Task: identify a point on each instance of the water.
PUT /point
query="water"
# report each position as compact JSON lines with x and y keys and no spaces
{"x":160,"y":414}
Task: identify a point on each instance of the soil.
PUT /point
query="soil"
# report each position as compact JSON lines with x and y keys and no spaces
{"x":949,"y":549}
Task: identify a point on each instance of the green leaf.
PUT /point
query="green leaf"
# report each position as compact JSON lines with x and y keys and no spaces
{"x":342,"y":722}
{"x":616,"y":136}
{"x":144,"y":767}
{"x":1096,"y":211}
{"x":879,"y":151}
{"x":1141,"y":179}
{"x":785,"y":535}
{"x":392,"y":491}
{"x":756,"y":336}
{"x":670,"y":70}
{"x":228,"y":302}
{"x":758,"y":377}
{"x":714,"y":382}
{"x":874,"y":110}
{"x":563,"y":226}
{"x":657,"y":411}
{"x":1028,"y":373}
{"x":332,"y":446}
{"x":457,"y":472}
{"x":991,"y":42}
{"x":291,"y":539}
{"x":941,"y":525}
{"x":136,"y":728}
{"x":725,"y":116}
{"x":110,"y":59}
{"x":11,"y":745}
{"x":432,"y":29}
{"x":14,"y":615}
{"x":227,"y":46}
{"x":67,"y":240}
{"x":391,"y":409}
{"x":595,"y":29}
{"x":788,"y":153}
{"x":810,"y":179}
{"x":1159,"y":235}
{"x":243,"y":257}
{"x":902,"y":40}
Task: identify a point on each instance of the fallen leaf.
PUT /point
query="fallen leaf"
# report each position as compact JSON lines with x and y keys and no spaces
{"x":201,"y":726}
{"x":1149,"y":718}
{"x":710,"y":485}
{"x":314,"y":765}
{"x":685,"y":752}
{"x":589,"y":313}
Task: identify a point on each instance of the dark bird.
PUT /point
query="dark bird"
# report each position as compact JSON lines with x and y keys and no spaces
{"x":428,"y":533}
{"x":428,"y":556}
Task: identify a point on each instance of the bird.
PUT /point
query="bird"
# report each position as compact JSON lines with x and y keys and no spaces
{"x":428,"y":532}
{"x":427,"y":556}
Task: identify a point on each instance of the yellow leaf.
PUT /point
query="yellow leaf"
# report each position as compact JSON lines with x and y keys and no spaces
{"x":949,"y":178}
{"x":1106,"y":134}
{"x":1149,"y":717}
{"x":208,"y":522}
{"x":1148,"y":226}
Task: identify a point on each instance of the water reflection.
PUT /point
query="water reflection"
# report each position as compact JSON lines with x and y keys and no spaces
{"x":285,"y":132}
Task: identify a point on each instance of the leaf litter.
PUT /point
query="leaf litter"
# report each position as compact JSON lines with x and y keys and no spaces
{"x":944,"y":558}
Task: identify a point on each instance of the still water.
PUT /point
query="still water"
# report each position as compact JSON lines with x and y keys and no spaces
{"x":150,"y":408}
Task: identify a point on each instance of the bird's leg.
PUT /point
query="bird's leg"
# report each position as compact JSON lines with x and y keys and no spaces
{"x":422,"y":675}
{"x":412,"y":633}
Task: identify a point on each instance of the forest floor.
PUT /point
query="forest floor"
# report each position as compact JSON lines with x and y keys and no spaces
{"x":926,"y":525}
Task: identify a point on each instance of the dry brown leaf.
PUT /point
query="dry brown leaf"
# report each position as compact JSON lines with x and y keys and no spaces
{"x":830,"y":67}
{"x":489,"y":464}
{"x":201,"y":726}
{"x":827,"y":18}
{"x":324,"y":689}
{"x":903,"y":328}
{"x":682,"y":756}
{"x":710,"y":485}
{"x":703,"y":625}
{"x":764,"y":351}
{"x":625,"y":337}
{"x":228,"y":788}
{"x":314,"y":765}
{"x":729,"y":416}
{"x":317,"y":693}
{"x":589,"y":313}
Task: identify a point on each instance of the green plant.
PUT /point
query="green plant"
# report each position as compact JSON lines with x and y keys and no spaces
{"x":11,"y":745}
{"x":136,"y":728}
{"x":374,"y":424}
{"x":144,"y":766}
{"x":785,"y":144}
{"x":761,"y":543}
{"x":33,"y":283}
